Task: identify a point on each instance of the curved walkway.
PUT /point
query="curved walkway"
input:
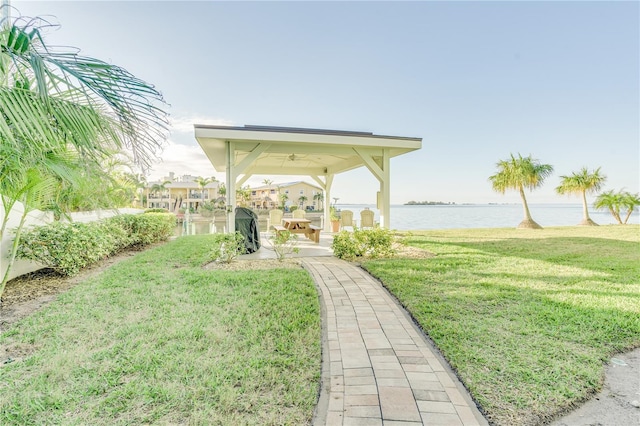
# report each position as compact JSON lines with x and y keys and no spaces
{"x":378,"y":368}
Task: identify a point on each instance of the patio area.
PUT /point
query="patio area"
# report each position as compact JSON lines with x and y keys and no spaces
{"x":307,"y":248}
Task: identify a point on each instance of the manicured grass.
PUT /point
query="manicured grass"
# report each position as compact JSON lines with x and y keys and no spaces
{"x":158,"y":340}
{"x":526,"y":317}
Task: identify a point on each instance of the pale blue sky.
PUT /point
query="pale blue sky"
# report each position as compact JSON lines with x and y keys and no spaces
{"x":476,"y":80}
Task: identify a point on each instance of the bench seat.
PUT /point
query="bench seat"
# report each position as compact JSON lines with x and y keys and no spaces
{"x":315,"y":233}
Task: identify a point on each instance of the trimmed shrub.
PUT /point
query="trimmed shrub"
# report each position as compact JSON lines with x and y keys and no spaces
{"x":69,"y":247}
{"x":154,"y":227}
{"x":371,"y":243}
{"x":156,"y":210}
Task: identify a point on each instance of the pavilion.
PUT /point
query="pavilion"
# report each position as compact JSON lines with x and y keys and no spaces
{"x":242,"y":152}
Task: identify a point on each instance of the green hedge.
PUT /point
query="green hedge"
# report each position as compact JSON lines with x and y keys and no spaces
{"x":370,"y":243}
{"x":69,"y":247}
{"x":156,"y":210}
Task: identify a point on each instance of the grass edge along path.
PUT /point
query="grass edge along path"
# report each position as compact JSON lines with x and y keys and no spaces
{"x":158,"y":339}
{"x":526,"y":318}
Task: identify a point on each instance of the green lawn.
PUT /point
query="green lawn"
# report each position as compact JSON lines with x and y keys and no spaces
{"x":158,"y":339}
{"x":526,"y":317}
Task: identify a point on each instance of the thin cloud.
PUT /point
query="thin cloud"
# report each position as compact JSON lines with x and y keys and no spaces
{"x":184,"y":123}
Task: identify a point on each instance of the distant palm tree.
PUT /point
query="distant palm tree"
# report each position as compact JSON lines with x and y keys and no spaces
{"x":581,"y":183}
{"x":283,"y":200}
{"x":202,"y":182}
{"x":139,"y":181}
{"x":267,"y":182}
{"x":518,"y":173}
{"x":319,"y":197}
{"x":160,"y":188}
{"x":243,"y":195}
{"x":630,"y":202}
{"x":616,"y":201}
{"x":301,"y":200}
{"x":611,"y":201}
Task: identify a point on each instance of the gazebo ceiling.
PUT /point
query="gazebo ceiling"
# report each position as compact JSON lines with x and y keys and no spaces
{"x":296,"y":151}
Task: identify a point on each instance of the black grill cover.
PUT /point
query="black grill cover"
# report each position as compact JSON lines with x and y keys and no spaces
{"x":247,"y":225}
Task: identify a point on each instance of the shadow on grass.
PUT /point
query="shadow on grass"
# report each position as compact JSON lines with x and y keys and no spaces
{"x":605,"y":255}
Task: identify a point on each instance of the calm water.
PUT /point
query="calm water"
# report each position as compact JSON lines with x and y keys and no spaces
{"x":459,"y":216}
{"x":485,"y":216}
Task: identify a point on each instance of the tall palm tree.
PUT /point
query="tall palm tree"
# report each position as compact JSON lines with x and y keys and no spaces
{"x":160,"y":188}
{"x":319,"y":197}
{"x":283,"y":200}
{"x":581,"y":183}
{"x":519,"y":173}
{"x":202,"y":182}
{"x":301,"y":200}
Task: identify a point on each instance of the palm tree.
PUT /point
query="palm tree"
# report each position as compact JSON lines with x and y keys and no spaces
{"x":616,"y":201}
{"x":518,"y":173}
{"x":611,"y":201}
{"x":160,"y":188}
{"x":267,"y":182}
{"x":283,"y":200}
{"x":630,"y":202}
{"x":243,"y":195}
{"x":301,"y":200}
{"x":56,"y":102}
{"x":319,"y":197}
{"x":138,"y":182}
{"x":99,"y":185}
{"x":93,"y":104}
{"x":202,"y":182}
{"x":581,"y":183}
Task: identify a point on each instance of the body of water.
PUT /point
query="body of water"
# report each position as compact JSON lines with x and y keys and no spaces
{"x":484,"y":215}
{"x":406,"y":218}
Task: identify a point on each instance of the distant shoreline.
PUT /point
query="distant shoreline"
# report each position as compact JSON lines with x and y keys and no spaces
{"x":429,"y":203}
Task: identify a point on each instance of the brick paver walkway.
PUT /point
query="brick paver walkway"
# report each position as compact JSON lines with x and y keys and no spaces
{"x":378,"y":368}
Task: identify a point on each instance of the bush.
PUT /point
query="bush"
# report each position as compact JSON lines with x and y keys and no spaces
{"x":154,"y":227}
{"x":371,"y":243}
{"x":283,"y":243}
{"x":69,"y":247}
{"x":226,"y":247}
{"x":156,"y":210}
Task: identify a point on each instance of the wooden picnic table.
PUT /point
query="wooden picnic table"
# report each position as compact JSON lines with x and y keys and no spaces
{"x":300,"y":226}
